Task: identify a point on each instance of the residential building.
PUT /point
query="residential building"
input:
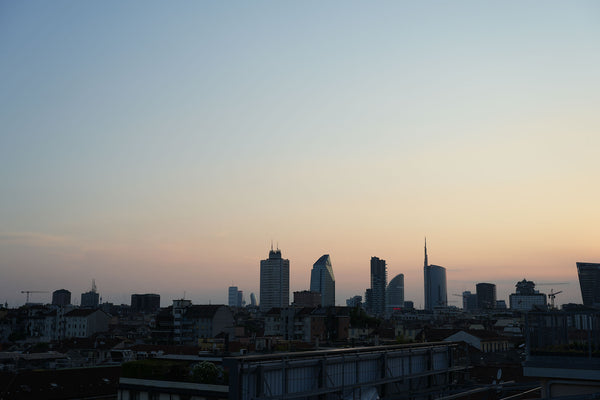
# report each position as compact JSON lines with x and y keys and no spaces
{"x":323,"y":281}
{"x":307,"y":298}
{"x":274,"y":281}
{"x":376,"y":296}
{"x":589,"y":281}
{"x":562,"y":352}
{"x":61,"y":297}
{"x":486,"y":296}
{"x":435,"y":289}
{"x":83,"y":322}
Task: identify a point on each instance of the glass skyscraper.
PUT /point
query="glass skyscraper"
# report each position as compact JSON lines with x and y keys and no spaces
{"x":435,"y":285}
{"x":395,"y":293}
{"x":589,"y":281}
{"x":323,"y":281}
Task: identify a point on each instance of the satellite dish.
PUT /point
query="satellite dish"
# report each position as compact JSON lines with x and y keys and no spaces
{"x":499,"y":374}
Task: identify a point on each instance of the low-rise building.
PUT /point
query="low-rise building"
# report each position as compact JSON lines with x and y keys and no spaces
{"x":85,"y":322}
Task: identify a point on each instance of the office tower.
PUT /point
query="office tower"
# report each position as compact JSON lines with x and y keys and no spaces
{"x":61,"y":297}
{"x":376,"y":296}
{"x":589,"y":281}
{"x":526,"y":297}
{"x":240,"y":298}
{"x":469,"y":301}
{"x":307,"y":298}
{"x":233,"y":297}
{"x":435,"y":284}
{"x":323,"y":281}
{"x":354,"y":301}
{"x":486,"y":296}
{"x":395,"y":293}
{"x":90,"y":299}
{"x":253,"y":302}
{"x":145,"y":303}
{"x":274,"y":281}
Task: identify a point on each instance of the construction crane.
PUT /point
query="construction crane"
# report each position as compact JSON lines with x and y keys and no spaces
{"x":551,"y":296}
{"x":33,"y":291}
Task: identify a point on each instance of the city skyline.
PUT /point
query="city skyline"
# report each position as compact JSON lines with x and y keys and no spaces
{"x":159,"y":148}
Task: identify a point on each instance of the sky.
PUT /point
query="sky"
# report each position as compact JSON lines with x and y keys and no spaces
{"x":160,"y":147}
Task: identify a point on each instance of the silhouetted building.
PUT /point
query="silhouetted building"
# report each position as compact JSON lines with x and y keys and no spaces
{"x":469,"y":301}
{"x":145,"y":303}
{"x":236,"y":297}
{"x":274,"y":281}
{"x":395,"y":293}
{"x":90,"y":300}
{"x":61,"y":297}
{"x":307,"y":298}
{"x":486,"y":296}
{"x":253,"y":301}
{"x":323,"y":281}
{"x":526,"y":297}
{"x":376,"y":295}
{"x":589,"y":281}
{"x":354,"y":301}
{"x":436,"y":294}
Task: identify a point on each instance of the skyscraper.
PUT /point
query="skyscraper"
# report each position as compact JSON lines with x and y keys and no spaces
{"x":395,"y":293}
{"x":435,"y":284}
{"x":323,"y":281}
{"x":90,"y":299}
{"x":486,"y":296}
{"x":589,"y":281}
{"x":274,"y":281}
{"x":234,"y":297}
{"x":376,"y":296}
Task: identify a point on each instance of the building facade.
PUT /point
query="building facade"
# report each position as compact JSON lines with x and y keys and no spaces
{"x":589,"y":281}
{"x":274,"y":281}
{"x":307,"y":298}
{"x":376,"y":296}
{"x":323,"y":281}
{"x":83,"y":323}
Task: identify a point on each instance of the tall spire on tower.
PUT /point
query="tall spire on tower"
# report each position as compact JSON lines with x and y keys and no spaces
{"x":426,"y":262}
